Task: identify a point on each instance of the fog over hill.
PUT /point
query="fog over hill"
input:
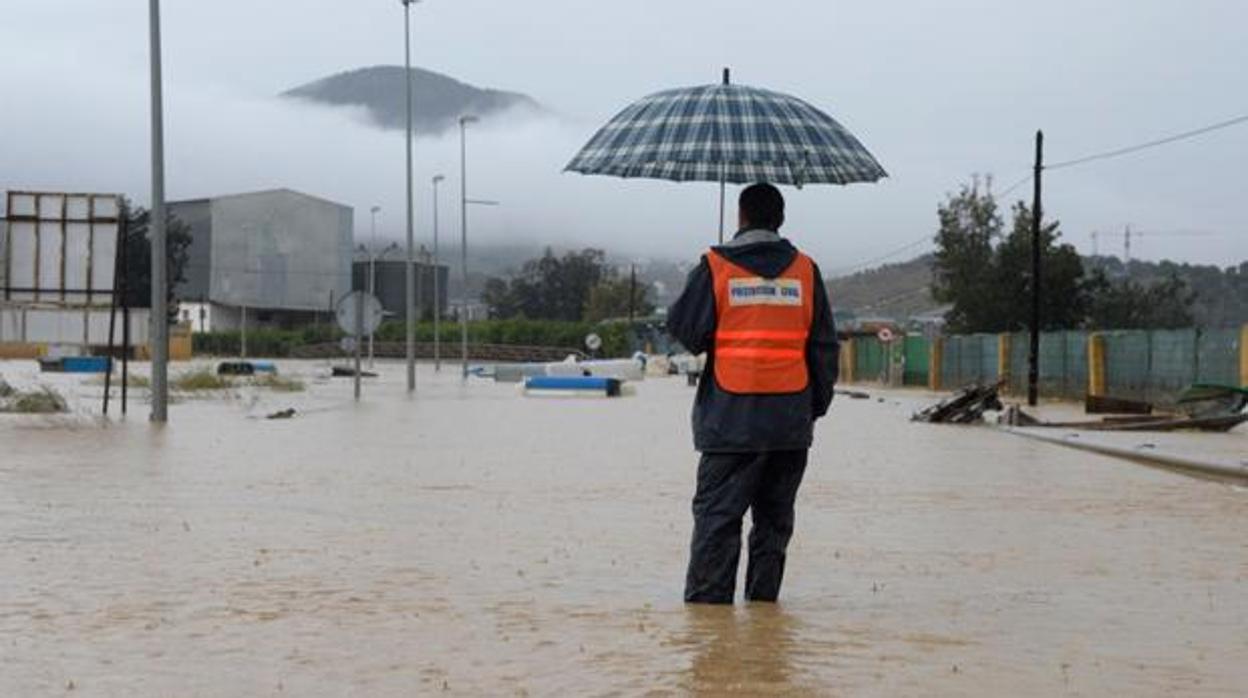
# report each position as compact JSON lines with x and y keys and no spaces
{"x":437,"y":102}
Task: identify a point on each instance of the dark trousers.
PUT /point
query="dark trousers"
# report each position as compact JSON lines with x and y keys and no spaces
{"x":728,"y":485}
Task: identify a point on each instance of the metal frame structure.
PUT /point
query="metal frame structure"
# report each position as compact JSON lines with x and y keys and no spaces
{"x":38,"y":219}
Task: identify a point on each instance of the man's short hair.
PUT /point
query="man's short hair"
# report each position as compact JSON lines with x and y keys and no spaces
{"x":762,"y":206}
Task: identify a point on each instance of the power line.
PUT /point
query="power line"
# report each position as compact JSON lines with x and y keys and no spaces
{"x":841,"y":271}
{"x":1014,"y":186}
{"x":1150,"y":144}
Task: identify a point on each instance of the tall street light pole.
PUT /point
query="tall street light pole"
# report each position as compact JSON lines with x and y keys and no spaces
{"x":372,"y":273}
{"x":463,"y":240}
{"x":410,"y":276}
{"x":437,"y":297}
{"x":159,"y":313}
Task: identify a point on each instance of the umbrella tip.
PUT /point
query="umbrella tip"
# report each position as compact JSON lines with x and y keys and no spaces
{"x":725,"y":76}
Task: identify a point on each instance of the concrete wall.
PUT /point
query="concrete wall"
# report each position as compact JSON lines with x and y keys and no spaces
{"x":279,"y":250}
{"x":67,"y":326}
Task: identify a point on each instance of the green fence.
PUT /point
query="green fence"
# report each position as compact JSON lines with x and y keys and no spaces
{"x":1153,"y":365}
{"x":870,"y":359}
{"x":969,"y":359}
{"x":917,"y":355}
{"x":1063,"y":364}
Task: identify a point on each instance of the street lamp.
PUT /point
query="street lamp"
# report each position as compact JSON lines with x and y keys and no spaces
{"x":372,"y":273}
{"x":463,"y":242}
{"x":159,"y":313}
{"x":437,"y":306}
{"x":410,"y":294}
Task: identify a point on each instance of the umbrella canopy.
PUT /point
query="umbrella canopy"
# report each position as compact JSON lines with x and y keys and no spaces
{"x":727,"y":133}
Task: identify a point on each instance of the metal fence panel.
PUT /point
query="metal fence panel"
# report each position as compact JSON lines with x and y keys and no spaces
{"x":1172,"y":363}
{"x":869,"y":358}
{"x":1127,"y":363}
{"x":917,"y":351}
{"x":1217,"y":357}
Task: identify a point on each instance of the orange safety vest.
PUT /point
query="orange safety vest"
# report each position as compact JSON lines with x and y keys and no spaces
{"x":762,"y":326}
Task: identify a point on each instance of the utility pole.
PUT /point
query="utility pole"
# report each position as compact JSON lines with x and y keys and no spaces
{"x":1033,"y":355}
{"x":632,"y":294}
{"x":410,"y":295}
{"x":372,"y":274}
{"x":463,"y":241}
{"x":1126,"y":248}
{"x":437,"y":290}
{"x":159,"y":334}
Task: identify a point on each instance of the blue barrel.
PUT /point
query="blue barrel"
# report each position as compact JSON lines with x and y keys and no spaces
{"x":85,"y":364}
{"x":586,"y":384}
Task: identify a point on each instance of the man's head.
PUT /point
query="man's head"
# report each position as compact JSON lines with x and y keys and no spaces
{"x":760,"y":206}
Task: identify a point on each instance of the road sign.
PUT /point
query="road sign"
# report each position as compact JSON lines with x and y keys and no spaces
{"x":345,"y":313}
{"x":593,"y":342}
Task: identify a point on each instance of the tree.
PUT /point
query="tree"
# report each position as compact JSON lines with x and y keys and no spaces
{"x":138,"y":257}
{"x":987,"y":276}
{"x":615,"y":297}
{"x":549,"y":287}
{"x":1064,"y":290}
{"x":969,"y":225}
{"x":1126,"y":304}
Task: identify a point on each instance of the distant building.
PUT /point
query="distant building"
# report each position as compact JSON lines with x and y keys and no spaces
{"x":277,"y":258}
{"x":390,"y":285}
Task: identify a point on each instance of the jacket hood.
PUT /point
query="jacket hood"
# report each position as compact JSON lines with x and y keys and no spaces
{"x":767,"y":258}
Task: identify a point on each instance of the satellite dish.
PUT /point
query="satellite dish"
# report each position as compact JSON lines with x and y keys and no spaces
{"x":348,"y":344}
{"x":345,"y":312}
{"x":885,"y":335}
{"x":593,"y":342}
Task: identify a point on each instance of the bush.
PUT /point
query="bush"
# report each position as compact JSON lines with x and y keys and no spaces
{"x":520,"y":332}
{"x":534,"y":333}
{"x":202,"y":379}
{"x":281,"y":384}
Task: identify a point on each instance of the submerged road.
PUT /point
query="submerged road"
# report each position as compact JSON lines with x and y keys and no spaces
{"x":476,"y":542}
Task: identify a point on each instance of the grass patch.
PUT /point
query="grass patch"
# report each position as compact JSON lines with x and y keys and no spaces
{"x":281,"y":384}
{"x":134,"y":380}
{"x":42,"y":401}
{"x":6,"y":390}
{"x":200,"y":380}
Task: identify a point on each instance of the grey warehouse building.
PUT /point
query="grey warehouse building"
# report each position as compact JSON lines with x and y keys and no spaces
{"x":277,"y":258}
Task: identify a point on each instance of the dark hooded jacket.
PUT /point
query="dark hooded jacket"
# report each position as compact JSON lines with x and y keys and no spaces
{"x":724,"y":422}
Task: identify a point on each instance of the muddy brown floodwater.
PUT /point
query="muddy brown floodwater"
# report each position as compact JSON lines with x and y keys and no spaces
{"x":477,"y":542}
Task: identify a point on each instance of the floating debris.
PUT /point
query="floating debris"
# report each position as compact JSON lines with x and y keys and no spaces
{"x":852,"y":394}
{"x":966,"y":406}
{"x":1102,"y":404}
{"x":1015,"y":416}
{"x":282,"y":414}
{"x":245,"y":368}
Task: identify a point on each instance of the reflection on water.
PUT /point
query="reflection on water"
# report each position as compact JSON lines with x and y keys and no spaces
{"x":746,"y":651}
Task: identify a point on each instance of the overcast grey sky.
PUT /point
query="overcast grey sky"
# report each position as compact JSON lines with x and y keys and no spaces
{"x":937,"y":91}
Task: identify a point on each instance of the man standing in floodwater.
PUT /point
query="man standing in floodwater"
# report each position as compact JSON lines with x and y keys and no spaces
{"x":758,"y":308}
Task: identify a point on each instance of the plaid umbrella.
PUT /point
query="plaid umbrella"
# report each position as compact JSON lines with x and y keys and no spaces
{"x":731,"y":132}
{"x":727,"y":133}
